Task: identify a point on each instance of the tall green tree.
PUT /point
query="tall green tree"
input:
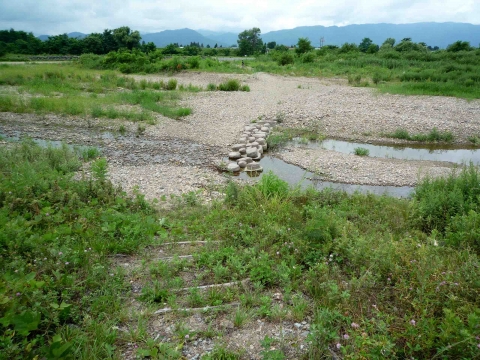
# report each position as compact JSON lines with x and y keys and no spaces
{"x":249,"y":42}
{"x":303,"y":46}
{"x":127,"y":38}
{"x":93,"y":44}
{"x":459,"y":46}
{"x":389,"y":42}
{"x":365,"y":44}
{"x":271,"y":45}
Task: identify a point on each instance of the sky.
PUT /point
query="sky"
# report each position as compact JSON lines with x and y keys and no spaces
{"x":52,"y":17}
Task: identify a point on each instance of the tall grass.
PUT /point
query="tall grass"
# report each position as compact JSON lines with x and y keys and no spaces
{"x":433,"y":136}
{"x":56,"y":235}
{"x":65,"y":89}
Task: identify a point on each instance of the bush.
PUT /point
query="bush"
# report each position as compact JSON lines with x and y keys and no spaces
{"x":446,"y":203}
{"x":171,"y":84}
{"x":285,"y":59}
{"x":308,"y":58}
{"x":230,"y":85}
{"x":194,"y":62}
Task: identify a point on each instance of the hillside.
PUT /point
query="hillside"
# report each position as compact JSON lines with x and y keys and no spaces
{"x":75,"y":34}
{"x":434,"y":34}
{"x":181,"y":36}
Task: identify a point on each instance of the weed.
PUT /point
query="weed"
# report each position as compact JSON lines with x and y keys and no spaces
{"x":221,"y":353}
{"x":122,"y":130}
{"x":474,"y":139}
{"x":211,"y":87}
{"x":140,"y":129}
{"x":280,"y":117}
{"x":230,"y":85}
{"x":433,"y":136}
{"x":245,"y":88}
{"x":99,"y":169}
{"x":90,"y":153}
{"x":171,"y":84}
{"x":239,"y":318}
{"x":361,"y":151}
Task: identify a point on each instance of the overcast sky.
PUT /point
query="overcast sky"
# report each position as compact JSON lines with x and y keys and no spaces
{"x":53,"y":17}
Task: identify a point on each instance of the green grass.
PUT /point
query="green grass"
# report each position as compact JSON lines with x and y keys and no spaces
{"x":58,"y":295}
{"x":433,"y":136}
{"x":70,"y":90}
{"x":361,"y":151}
{"x":398,"y":276}
{"x":281,"y":136}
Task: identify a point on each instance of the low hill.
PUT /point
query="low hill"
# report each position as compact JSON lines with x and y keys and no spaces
{"x":433,"y":34}
{"x":77,"y":35}
{"x":181,"y":36}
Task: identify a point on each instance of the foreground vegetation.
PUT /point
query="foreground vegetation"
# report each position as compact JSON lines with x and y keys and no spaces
{"x":378,"y":277}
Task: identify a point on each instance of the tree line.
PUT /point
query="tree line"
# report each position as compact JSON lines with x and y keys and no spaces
{"x":21,"y":42}
{"x":249,"y":43}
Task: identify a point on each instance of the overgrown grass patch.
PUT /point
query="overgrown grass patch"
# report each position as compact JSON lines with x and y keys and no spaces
{"x":281,"y":136}
{"x":361,"y":151}
{"x":55,"y":239}
{"x":62,"y":89}
{"x":374,"y":274}
{"x":433,"y":136}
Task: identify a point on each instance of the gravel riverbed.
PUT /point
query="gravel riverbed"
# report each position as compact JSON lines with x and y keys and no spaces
{"x":177,"y":156}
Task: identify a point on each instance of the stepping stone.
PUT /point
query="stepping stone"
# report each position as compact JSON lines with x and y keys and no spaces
{"x":242,"y":150}
{"x":265,"y":129}
{"x":261,"y":141}
{"x":247,"y":160}
{"x":259,"y":135}
{"x":234,"y":155}
{"x":251,"y":139}
{"x":233,"y":167}
{"x":253,"y":167}
{"x":237,"y":147}
{"x":252,"y":152}
{"x":242,"y":164}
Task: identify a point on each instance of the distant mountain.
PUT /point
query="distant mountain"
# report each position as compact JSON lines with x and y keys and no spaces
{"x":228,"y":38}
{"x":77,"y":35}
{"x":433,"y":34}
{"x":182,"y":37}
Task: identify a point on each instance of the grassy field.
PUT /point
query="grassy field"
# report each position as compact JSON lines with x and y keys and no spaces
{"x":68,"y":90}
{"x":378,"y":277}
{"x":409,"y":73}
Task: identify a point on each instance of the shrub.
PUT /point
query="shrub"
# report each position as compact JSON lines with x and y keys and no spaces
{"x":245,"y":88}
{"x":211,"y":87}
{"x":230,"y":85}
{"x":308,"y":58}
{"x":285,"y":59}
{"x":171,"y":84}
{"x":446,"y":202}
{"x":194,"y":62}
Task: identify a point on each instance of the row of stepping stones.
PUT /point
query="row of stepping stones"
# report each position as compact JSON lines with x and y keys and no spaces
{"x":251,"y":145}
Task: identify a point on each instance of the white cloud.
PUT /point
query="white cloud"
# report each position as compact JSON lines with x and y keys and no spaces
{"x":60,"y":16}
